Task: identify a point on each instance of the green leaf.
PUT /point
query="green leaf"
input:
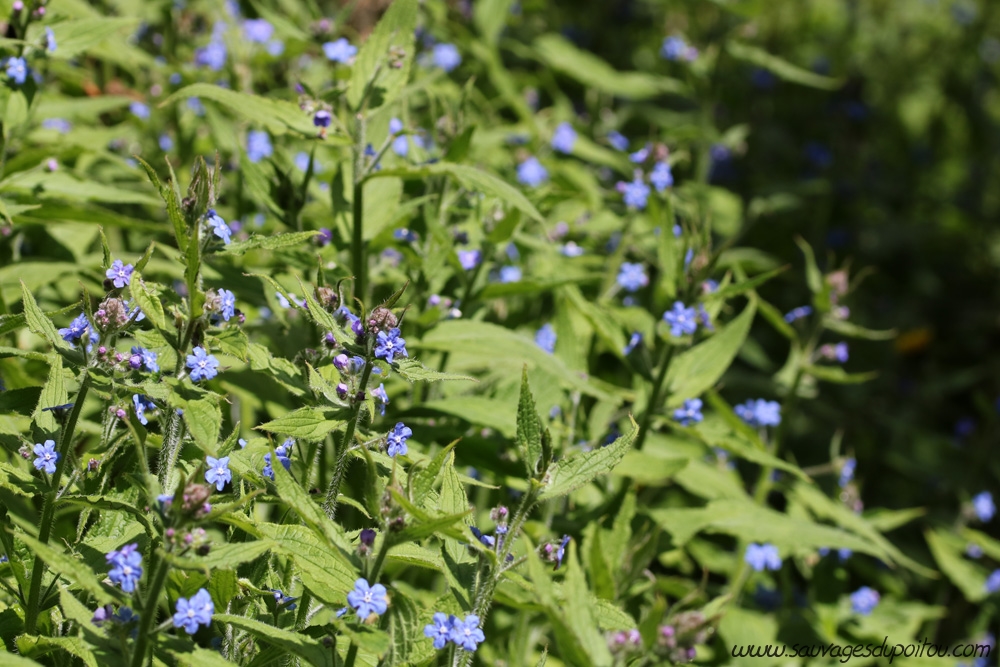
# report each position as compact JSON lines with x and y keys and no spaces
{"x":38,"y":322}
{"x":200,"y":657}
{"x":490,"y":17}
{"x":851,"y":330}
{"x":148,"y":302}
{"x":948,"y":553}
{"x":325,"y":571}
{"x":780,"y":67}
{"x":297,"y":643}
{"x":36,"y":647}
{"x":568,"y":474}
{"x":405,"y":629}
{"x":698,"y":369}
{"x":412,"y":370}
{"x":264,"y":242}
{"x":53,"y":393}
{"x":226,"y":555}
{"x":278,"y":116}
{"x":744,"y":286}
{"x":561,"y":55}
{"x":371,"y":68}
{"x":305,"y":423}
{"x":529,"y":428}
{"x":838,"y":375}
{"x":76,"y":36}
{"x":647,"y":469}
{"x":814,"y":279}
{"x":170,"y":198}
{"x":73,"y":570}
{"x":423,"y":480}
{"x":578,"y":613}
{"x":203,"y":419}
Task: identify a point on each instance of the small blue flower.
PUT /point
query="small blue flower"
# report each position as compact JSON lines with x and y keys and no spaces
{"x":46,"y":456}
{"x":258,"y":145}
{"x":758,"y":413}
{"x":17,"y":70}
{"x":120,"y":274}
{"x":227,"y":304}
{"x":285,"y":601}
{"x":139,"y":110}
{"x":142,"y":403}
{"x":198,"y":610}
{"x":682,"y":320}
{"x":640,"y":155}
{"x":532,"y":173}
{"x":166,"y":143}
{"x":203,"y":365}
{"x":545,"y":338}
{"x":689,"y":413}
{"x":50,"y":40}
{"x":284,"y":453}
{"x":467,"y":634}
{"x":632,"y":277}
{"x":213,"y":55}
{"x":446,"y":56}
{"x":635,"y":193}
{"x":218,"y":472}
{"x":847,"y":472}
{"x":661,"y":177}
{"x":982,"y":505}
{"x":382,"y":398}
{"x":564,"y":138}
{"x":510,"y":274}
{"x":561,"y":550}
{"x":146,"y":359}
{"x":798,"y":313}
{"x":340,"y":51}
{"x":218,"y":225}
{"x":864,"y":600}
{"x":367,"y":600}
{"x":618,"y":140}
{"x":396,"y":440}
{"x":126,"y":567}
{"x":469,"y":259}
{"x":762,"y":557}
{"x":389,"y":345}
{"x":485,"y":540}
{"x":440,"y":629}
{"x":60,"y":125}
{"x":633,"y":342}
{"x":258,"y":30}
{"x":675,"y":48}
{"x":76,"y":329}
{"x":993,"y":582}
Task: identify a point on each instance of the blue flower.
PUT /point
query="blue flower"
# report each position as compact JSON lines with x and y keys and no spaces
{"x":120,"y":274}
{"x":469,"y":259}
{"x":126,"y":567}
{"x":993,"y":582}
{"x":166,"y":143}
{"x":213,"y":55}
{"x":759,"y":412}
{"x":675,"y":48}
{"x":17,"y":70}
{"x":633,"y":342}
{"x":367,"y":600}
{"x":50,"y":40}
{"x":218,"y":472}
{"x":383,"y":398}
{"x":46,"y":456}
{"x":864,"y":600}
{"x":283,"y":452}
{"x":510,"y":274}
{"x":798,"y":313}
{"x":340,"y":51}
{"x":258,"y":145}
{"x":847,"y":472}
{"x":389,"y":345}
{"x":632,"y":276}
{"x":440,"y":629}
{"x":195,"y":611}
{"x":982,"y":505}
{"x":76,"y":329}
{"x":635,"y":193}
{"x":682,"y":320}
{"x":396,"y":440}
{"x":446,"y":56}
{"x":689,"y":413}
{"x":227,"y":304}
{"x":322,"y":118}
{"x":139,"y":110}
{"x":282,"y":600}
{"x":60,"y":125}
{"x":203,"y":365}
{"x":762,"y":557}
{"x":258,"y":30}
{"x":142,"y":403}
{"x":661,"y":177}
{"x":146,"y":358}
{"x":485,"y":540}
{"x":618,"y":140}
{"x":275,"y":48}
{"x":561,"y":550}
{"x":640,"y":155}
{"x":532,"y":173}
{"x":545,"y":338}
{"x":467,"y":634}
{"x":218,"y":225}
{"x":564,"y":138}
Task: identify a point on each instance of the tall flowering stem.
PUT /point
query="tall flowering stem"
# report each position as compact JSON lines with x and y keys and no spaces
{"x":148,"y":612}
{"x":330,"y":504}
{"x":655,"y":396}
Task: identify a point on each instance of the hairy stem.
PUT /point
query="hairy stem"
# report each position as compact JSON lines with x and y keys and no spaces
{"x":149,"y":613}
{"x":330,"y":504}
{"x":654,"y":396}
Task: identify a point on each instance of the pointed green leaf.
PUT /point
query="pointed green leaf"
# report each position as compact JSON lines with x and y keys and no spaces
{"x":371,"y":69}
{"x":38,"y":322}
{"x":529,"y":428}
{"x":568,"y":474}
{"x":305,"y":423}
{"x":296,"y":643}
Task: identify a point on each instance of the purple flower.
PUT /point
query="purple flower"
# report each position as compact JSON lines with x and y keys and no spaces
{"x":120,"y":274}
{"x":689,"y":413}
{"x":258,"y":145}
{"x":632,"y":277}
{"x":510,"y":274}
{"x":145,"y":358}
{"x":367,"y":600}
{"x":340,"y":51}
{"x":467,"y":634}
{"x":142,"y":403}
{"x":762,"y":557}
{"x":203,"y":365}
{"x":446,"y":56}
{"x":46,"y":456}
{"x":618,"y":140}
{"x":758,"y":413}
{"x":640,"y":155}
{"x":675,"y":48}
{"x":469,"y":259}
{"x":213,"y":55}
{"x":798,"y":313}
{"x":195,"y":611}
{"x":218,"y":472}
{"x":545,"y":338}
{"x":564,"y":138}
{"x":682,"y":320}
{"x":258,"y":30}
{"x":126,"y":567}
{"x":982,"y":505}
{"x":227,"y":304}
{"x":218,"y":225}
{"x":322,"y":118}
{"x":60,"y":125}
{"x":383,"y":398}
{"x":661,"y":177}
{"x":440,"y":629}
{"x":396,"y":440}
{"x":389,"y":345}
{"x":635,"y":193}
{"x":864,"y":600}
{"x":532,"y":173}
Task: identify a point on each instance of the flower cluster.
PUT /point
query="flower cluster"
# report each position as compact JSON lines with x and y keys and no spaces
{"x":445,"y":628}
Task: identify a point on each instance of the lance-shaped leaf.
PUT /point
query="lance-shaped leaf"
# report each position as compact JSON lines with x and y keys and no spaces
{"x":569,"y":474}
{"x":529,"y":427}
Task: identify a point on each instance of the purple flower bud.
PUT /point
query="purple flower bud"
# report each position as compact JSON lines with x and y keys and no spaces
{"x":341,"y":362}
{"x":135,"y":362}
{"x":342,"y":390}
{"x":358,"y":327}
{"x":368,"y":537}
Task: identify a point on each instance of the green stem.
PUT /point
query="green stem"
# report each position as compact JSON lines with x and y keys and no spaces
{"x":359,"y":258}
{"x":49,"y":504}
{"x":149,"y":613}
{"x":330,"y":504}
{"x":171,"y":449}
{"x":654,"y":396}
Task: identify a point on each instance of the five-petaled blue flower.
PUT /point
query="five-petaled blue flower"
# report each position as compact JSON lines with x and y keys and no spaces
{"x":682,"y":320}
{"x":467,"y":634}
{"x":469,"y":259}
{"x":126,"y":566}
{"x":367,"y":600}
{"x":440,"y":629}
{"x":635,"y":194}
{"x":632,"y":276}
{"x":864,"y":600}
{"x":340,"y":51}
{"x":284,"y":453}
{"x":532,"y":173}
{"x":382,"y":398}
{"x":17,"y":70}
{"x":120,"y":274}
{"x":389,"y":345}
{"x":446,"y":56}
{"x":661,"y":177}
{"x":396,"y":440}
{"x":982,"y":505}
{"x":76,"y":329}
{"x":259,"y":145}
{"x":545,"y":338}
{"x":218,"y":472}
{"x":762,"y":557}
{"x":203,"y":365}
{"x":218,"y":225}
{"x":689,"y":413}
{"x":46,"y":456}
{"x":195,"y":611}
{"x":759,"y":412}
{"x":141,"y":357}
{"x":227,"y":303}
{"x":142,"y":403}
{"x":564,"y":138}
